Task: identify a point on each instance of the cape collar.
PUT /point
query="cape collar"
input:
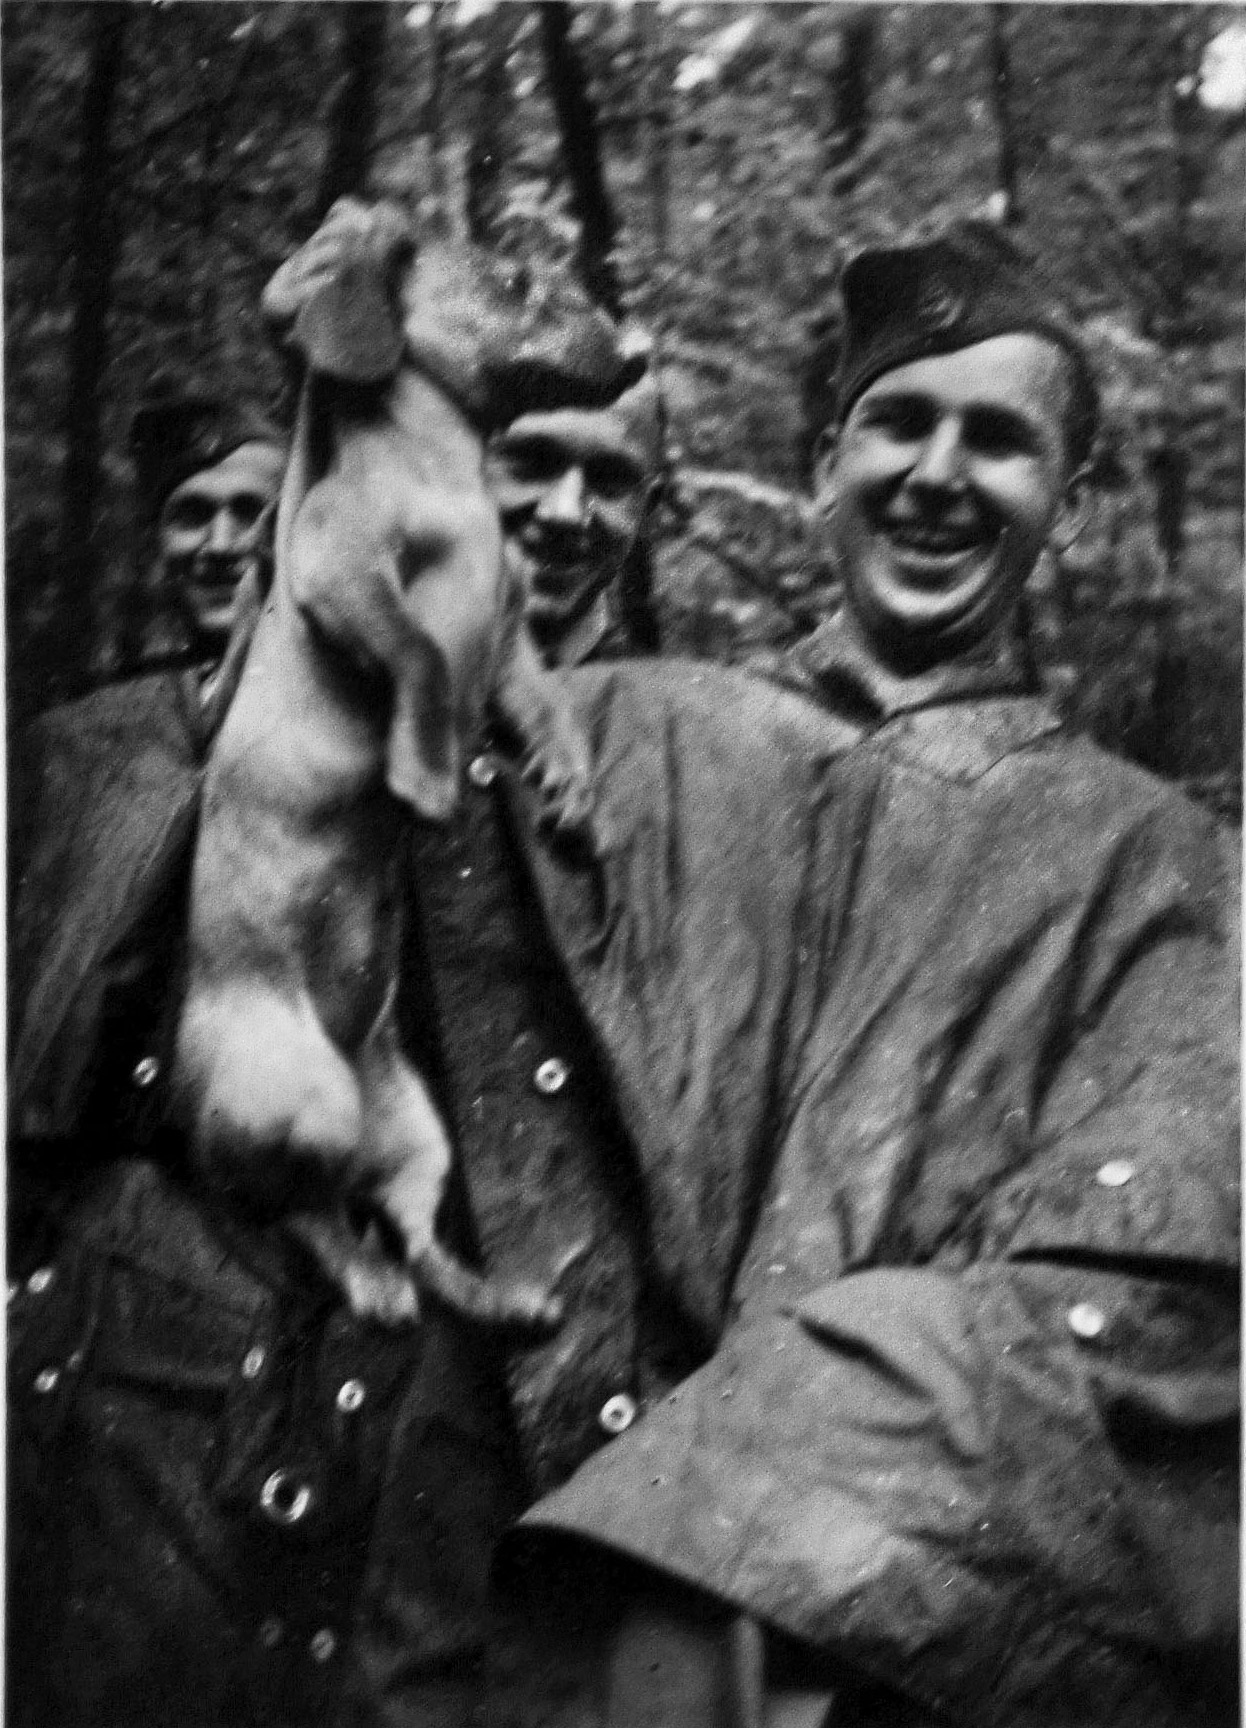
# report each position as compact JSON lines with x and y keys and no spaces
{"x":957,"y":719}
{"x":585,"y":637}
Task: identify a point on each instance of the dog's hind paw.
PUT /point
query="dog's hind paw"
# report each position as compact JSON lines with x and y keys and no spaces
{"x":382,"y":1293}
{"x":375,"y":1286}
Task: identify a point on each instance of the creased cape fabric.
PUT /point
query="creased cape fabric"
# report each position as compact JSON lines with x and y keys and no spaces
{"x":937,"y":1122}
{"x":924,"y":1043}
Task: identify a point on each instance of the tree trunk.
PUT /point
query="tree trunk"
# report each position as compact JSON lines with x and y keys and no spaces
{"x":433,"y":116}
{"x":655,"y":83}
{"x":487,"y":146}
{"x":1006,"y":155}
{"x":352,"y":122}
{"x":850,"y":88}
{"x":97,"y":239}
{"x":579,"y":136}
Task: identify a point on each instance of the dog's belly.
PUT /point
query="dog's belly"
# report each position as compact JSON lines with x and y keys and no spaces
{"x":302,"y":901}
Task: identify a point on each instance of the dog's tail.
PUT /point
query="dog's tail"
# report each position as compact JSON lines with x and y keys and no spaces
{"x":519,"y":1307}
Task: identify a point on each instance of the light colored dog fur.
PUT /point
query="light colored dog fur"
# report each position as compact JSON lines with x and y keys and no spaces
{"x":389,"y":620}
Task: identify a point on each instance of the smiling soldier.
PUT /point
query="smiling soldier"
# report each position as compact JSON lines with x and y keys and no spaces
{"x":994,"y":1462}
{"x":208,"y":472}
{"x":961,"y":447}
{"x":107,"y":784}
{"x":574,"y":486}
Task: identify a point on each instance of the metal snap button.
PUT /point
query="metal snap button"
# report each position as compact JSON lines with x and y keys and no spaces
{"x":482,"y":772}
{"x":252,"y":1362}
{"x":47,"y":1380}
{"x":146,"y":1071}
{"x":1115,"y":1173}
{"x":271,"y":1632}
{"x":350,"y":1395}
{"x":323,"y":1644}
{"x":40,"y":1279}
{"x":551,"y":1076}
{"x":617,"y":1413}
{"x":1086,"y":1321}
{"x":285,"y":1499}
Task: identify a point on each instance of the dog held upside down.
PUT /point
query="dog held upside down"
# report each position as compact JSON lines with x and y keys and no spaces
{"x":389,"y":622}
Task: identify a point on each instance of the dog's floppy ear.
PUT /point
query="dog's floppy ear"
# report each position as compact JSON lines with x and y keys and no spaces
{"x":422,"y":752}
{"x":338,"y":298}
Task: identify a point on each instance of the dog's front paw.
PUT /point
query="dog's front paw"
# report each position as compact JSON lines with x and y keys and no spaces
{"x":556,"y":763}
{"x":564,"y":788}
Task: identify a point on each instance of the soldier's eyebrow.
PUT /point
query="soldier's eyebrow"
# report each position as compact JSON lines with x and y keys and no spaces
{"x":533,"y":449}
{"x":889,"y":407}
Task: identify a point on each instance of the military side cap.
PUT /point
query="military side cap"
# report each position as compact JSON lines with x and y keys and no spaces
{"x":565,"y":351}
{"x":964,"y":285}
{"x":173,"y":436}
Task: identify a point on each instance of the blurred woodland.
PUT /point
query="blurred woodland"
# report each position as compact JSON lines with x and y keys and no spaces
{"x":706,"y":168}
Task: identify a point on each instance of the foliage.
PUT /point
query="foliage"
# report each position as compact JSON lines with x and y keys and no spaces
{"x":747,"y":148}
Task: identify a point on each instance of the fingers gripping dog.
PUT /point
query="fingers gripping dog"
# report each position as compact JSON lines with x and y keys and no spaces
{"x":389,"y":621}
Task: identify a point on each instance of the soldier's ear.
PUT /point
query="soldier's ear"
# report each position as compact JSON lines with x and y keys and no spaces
{"x":1075,"y":510}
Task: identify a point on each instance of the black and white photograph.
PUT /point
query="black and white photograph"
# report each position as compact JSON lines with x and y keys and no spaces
{"x":623,"y":771}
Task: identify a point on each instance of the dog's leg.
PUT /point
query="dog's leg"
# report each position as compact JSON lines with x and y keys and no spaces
{"x":406,"y":1134}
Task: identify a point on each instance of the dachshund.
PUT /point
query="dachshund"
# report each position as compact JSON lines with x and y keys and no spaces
{"x":390,"y":620}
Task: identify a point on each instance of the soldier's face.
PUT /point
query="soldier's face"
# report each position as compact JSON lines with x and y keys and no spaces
{"x":948,"y":479}
{"x":571,"y":487}
{"x":210,"y":534}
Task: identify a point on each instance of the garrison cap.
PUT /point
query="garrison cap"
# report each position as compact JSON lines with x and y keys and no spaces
{"x":174,"y":435}
{"x":963,"y":285}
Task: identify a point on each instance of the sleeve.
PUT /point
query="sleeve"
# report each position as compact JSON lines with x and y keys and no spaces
{"x":1003,"y":1480}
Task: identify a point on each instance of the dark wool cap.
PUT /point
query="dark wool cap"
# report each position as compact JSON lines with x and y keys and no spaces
{"x":173,"y":436}
{"x":964,"y":285}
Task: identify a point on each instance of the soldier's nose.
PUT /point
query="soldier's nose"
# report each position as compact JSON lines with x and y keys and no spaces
{"x":941,"y":460}
{"x":564,"y":500}
{"x":222,"y":535}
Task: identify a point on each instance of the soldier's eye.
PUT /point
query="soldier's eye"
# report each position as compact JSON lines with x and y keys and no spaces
{"x":613,"y":477}
{"x":996,"y":432}
{"x":902,"y":417}
{"x":188,"y":513}
{"x":247,"y":508}
{"x":533,"y":459}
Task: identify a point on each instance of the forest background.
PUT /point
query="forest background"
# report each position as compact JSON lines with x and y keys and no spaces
{"x":706,"y":168}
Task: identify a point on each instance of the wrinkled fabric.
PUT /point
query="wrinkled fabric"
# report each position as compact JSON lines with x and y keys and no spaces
{"x":885,"y":1018}
{"x":970,"y":1424}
